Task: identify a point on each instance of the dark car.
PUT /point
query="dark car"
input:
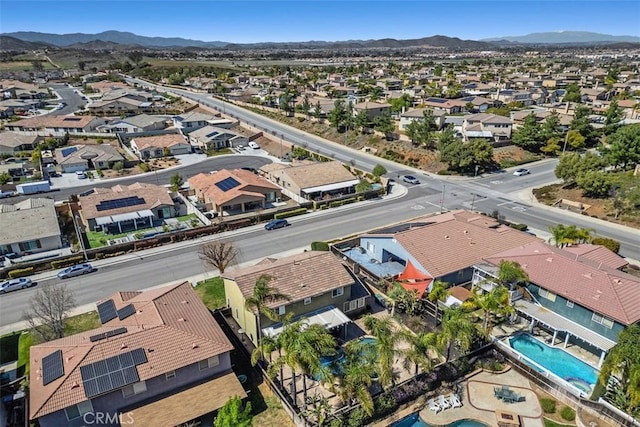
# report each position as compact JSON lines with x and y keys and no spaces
{"x":276,"y":223}
{"x":76,"y":270}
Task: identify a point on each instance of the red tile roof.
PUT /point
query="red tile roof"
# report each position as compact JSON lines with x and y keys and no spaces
{"x":251,"y":186}
{"x":598,"y":254}
{"x":171,"y":324}
{"x":602,"y":289}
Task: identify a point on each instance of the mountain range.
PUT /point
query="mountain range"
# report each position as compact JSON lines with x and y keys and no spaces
{"x":115,"y":39}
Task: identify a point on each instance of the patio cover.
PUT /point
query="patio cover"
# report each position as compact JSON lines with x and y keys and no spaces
{"x":330,"y":317}
{"x":562,"y":324}
{"x":188,"y":404}
{"x":113,"y":219}
{"x":329,"y":187}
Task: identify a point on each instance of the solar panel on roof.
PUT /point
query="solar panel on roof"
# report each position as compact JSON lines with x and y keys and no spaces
{"x":107,"y":311}
{"x":112,"y":373}
{"x":108,"y":334}
{"x":124,"y":202}
{"x":227,"y":184}
{"x":139,"y":356}
{"x":126,"y":311}
{"x":126,"y":359}
{"x":52,"y":367}
{"x":438,"y":100}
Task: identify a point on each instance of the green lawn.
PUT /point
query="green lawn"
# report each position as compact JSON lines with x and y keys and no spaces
{"x":186,"y":218}
{"x":211,"y":153}
{"x":211,"y":292}
{"x":97,"y":239}
{"x":24,"y":345}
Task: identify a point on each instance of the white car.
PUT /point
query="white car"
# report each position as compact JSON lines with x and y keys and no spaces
{"x":81,"y":174}
{"x":254,"y":145}
{"x":76,"y":270}
{"x":521,"y":172}
{"x":15,"y":284}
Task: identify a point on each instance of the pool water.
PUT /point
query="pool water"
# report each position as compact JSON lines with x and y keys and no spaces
{"x":334,"y":362}
{"x":414,"y":420}
{"x":555,"y":360}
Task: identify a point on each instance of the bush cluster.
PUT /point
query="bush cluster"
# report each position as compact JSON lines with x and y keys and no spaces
{"x":289,"y":214}
{"x":548,"y":405}
{"x":319,"y":246}
{"x":20,"y":272}
{"x":342,"y":202}
{"x":567,"y":413}
{"x":60,"y":263}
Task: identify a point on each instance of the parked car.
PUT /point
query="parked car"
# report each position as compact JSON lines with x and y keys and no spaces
{"x":253,"y":145}
{"x":86,"y":193}
{"x":76,"y":270}
{"x":520,"y":172}
{"x":81,"y":174}
{"x":411,"y":179}
{"x":4,"y":194}
{"x":276,"y":223}
{"x":15,"y":284}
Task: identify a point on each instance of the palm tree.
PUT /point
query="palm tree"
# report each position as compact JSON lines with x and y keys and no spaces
{"x":623,"y":361}
{"x":496,"y":301}
{"x":387,"y":339}
{"x":439,"y":292}
{"x":511,"y":273}
{"x":558,"y":235}
{"x":421,"y":346}
{"x":456,"y":329}
{"x":355,"y":378}
{"x":263,"y":295}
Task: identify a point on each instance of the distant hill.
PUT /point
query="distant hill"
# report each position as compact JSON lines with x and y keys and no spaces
{"x":12,"y":43}
{"x":564,"y":37}
{"x":79,"y":40}
{"x":119,"y":37}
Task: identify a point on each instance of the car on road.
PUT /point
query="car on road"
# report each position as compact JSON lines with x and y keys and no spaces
{"x":81,"y":174}
{"x":411,"y":179}
{"x":15,"y":284}
{"x":4,"y":194}
{"x":276,"y":223}
{"x":76,"y":270}
{"x":521,"y":172}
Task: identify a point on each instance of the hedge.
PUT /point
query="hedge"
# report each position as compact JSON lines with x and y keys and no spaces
{"x":548,"y":405}
{"x":319,"y":246}
{"x":20,"y":272}
{"x":66,"y":262}
{"x":521,"y":227}
{"x":568,"y":414}
{"x":342,"y":202}
{"x":288,"y":214}
{"x":612,"y":245}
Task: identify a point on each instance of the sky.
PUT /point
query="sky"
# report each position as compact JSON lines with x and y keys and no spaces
{"x":328,"y":20}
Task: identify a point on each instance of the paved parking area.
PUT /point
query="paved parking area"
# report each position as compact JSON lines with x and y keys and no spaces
{"x":67,"y":180}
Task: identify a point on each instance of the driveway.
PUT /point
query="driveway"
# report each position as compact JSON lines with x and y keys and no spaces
{"x":68,"y":180}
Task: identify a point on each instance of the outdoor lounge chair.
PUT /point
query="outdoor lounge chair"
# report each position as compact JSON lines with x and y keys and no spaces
{"x":434,"y":406}
{"x":444,"y":404}
{"x":454,"y":400}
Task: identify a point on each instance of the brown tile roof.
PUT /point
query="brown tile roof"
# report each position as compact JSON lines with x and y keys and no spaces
{"x":370,"y":105}
{"x":318,"y":174}
{"x":251,"y":185}
{"x":598,"y":254}
{"x":188,"y":404}
{"x":300,"y":276}
{"x":159,"y":141}
{"x":460,"y":293}
{"x":171,"y":324}
{"x":153,"y":195}
{"x":600,"y":288}
{"x":70,"y":122}
{"x":458,"y":240}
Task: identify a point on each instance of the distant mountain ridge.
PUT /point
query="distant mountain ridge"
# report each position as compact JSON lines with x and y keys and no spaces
{"x":563,"y":37}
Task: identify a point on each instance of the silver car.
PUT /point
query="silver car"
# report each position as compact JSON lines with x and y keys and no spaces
{"x":15,"y":284}
{"x":76,"y":270}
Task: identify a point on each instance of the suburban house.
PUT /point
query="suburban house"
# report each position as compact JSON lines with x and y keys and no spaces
{"x":373,"y":109}
{"x":417,"y":115}
{"x":83,"y":157}
{"x":56,"y":125}
{"x":134,"y":124}
{"x":449,"y":106}
{"x":29,"y":226}
{"x":154,"y":351}
{"x":490,"y":126}
{"x":233,"y":190}
{"x":518,"y":117}
{"x":479,"y":104}
{"x":507,"y":96}
{"x":215,"y":138}
{"x":122,"y":105}
{"x":12,"y":143}
{"x":147,"y":147}
{"x":126,"y":208}
{"x":313,"y":181}
{"x":188,"y":122}
{"x":443,"y":247}
{"x":320,"y":287}
{"x":580,"y":293}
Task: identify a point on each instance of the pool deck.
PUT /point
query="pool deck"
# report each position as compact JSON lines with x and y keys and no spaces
{"x":479,"y":403}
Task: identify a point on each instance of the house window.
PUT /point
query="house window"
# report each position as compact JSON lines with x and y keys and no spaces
{"x":281,"y":310}
{"x":307,"y":301}
{"x":546,"y":294}
{"x":170,"y":375}
{"x":208,"y":363}
{"x":604,"y":321}
{"x":371,"y":247}
{"x":570,"y":304}
{"x":133,"y":389}
{"x":77,"y":411}
{"x":360,"y":302}
{"x":337,"y":292}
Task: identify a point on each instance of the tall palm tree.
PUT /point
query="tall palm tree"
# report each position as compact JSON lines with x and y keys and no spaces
{"x":439,"y":292}
{"x":355,"y":379}
{"x":387,"y":339}
{"x":623,"y":361}
{"x":262,"y":296}
{"x":419,"y":352}
{"x":558,"y":235}
{"x":457,"y":330}
{"x":494,"y":302}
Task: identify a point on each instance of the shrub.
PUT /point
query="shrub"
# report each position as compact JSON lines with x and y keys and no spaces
{"x":568,"y":414}
{"x":144,"y":167}
{"x":66,"y":262}
{"x":319,"y":246}
{"x":548,"y":405}
{"x":612,"y":245}
{"x":446,"y":172}
{"x":288,"y":214}
{"x":342,"y":202}
{"x":357,"y":418}
{"x":521,"y":227}
{"x":20,"y":272}
{"x":99,"y":141}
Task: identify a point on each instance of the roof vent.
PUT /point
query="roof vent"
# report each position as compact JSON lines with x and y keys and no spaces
{"x":587,"y":275}
{"x":150,"y":350}
{"x":184,"y":301}
{"x":69,"y":358}
{"x":549,"y":259}
{"x":194,"y":345}
{"x":182,"y":319}
{"x":446,"y":236}
{"x":302,"y":285}
{"x":123,"y":346}
{"x":466,"y":231}
{"x":75,"y":385}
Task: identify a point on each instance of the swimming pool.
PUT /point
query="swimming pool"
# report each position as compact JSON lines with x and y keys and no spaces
{"x":557,"y":361}
{"x":334,"y":362}
{"x":414,"y":420}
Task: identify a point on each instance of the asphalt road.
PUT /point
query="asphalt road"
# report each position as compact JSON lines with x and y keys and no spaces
{"x":73,"y":100}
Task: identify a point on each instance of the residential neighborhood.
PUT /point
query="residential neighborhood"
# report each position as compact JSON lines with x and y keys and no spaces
{"x":390,"y":232}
